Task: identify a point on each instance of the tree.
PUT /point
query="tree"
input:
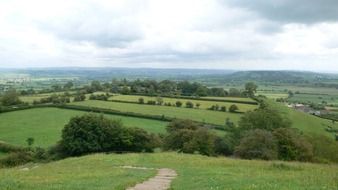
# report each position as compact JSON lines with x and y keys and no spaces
{"x":125,"y":90}
{"x":257,"y":144}
{"x":250,"y":89}
{"x":79,"y":97}
{"x":189,"y":104}
{"x":178,"y":103}
{"x":263,"y":119}
{"x":223,"y":109}
{"x":233,"y":108}
{"x":159,"y":100}
{"x":11,"y":98}
{"x":234,"y":92}
{"x":198,"y":105}
{"x":189,"y":137}
{"x":141,"y":100}
{"x":30,"y":141}
{"x":92,"y":133}
{"x":68,"y":85}
{"x":96,"y":86}
{"x":292,"y":145}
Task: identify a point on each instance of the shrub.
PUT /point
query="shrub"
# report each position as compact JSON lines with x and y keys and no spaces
{"x":257,"y":144}
{"x":178,"y":104}
{"x":233,"y":108}
{"x":16,"y":158}
{"x":292,"y":145}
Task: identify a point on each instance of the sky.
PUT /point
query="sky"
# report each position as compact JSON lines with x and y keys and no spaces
{"x":204,"y":34}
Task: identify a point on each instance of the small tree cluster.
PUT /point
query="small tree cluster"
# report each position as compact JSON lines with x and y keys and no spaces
{"x":103,"y":97}
{"x":95,"y":133}
{"x":54,"y":99}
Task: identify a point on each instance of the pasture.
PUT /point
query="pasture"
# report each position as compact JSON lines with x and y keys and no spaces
{"x":45,"y":125}
{"x":202,"y":115}
{"x":204,"y":104}
{"x":99,"y":172}
{"x":314,"y":98}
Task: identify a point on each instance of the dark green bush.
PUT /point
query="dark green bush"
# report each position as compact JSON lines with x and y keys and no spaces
{"x":292,"y":145}
{"x":257,"y":144}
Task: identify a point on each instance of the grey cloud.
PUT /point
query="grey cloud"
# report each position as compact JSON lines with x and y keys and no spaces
{"x":292,"y":11}
{"x":95,"y":25}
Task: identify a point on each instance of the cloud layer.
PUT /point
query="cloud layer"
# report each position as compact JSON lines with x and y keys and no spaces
{"x":226,"y":34}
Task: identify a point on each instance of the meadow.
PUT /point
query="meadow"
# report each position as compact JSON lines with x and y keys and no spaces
{"x":202,"y":115}
{"x":314,"y":98}
{"x":45,"y":125}
{"x":99,"y":171}
{"x":204,"y":104}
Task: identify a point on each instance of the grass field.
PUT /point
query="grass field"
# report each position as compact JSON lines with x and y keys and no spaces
{"x":87,"y":173}
{"x":202,"y":115}
{"x":204,"y":104}
{"x":314,"y":98}
{"x":272,"y":95}
{"x":98,"y":172}
{"x":45,"y":125}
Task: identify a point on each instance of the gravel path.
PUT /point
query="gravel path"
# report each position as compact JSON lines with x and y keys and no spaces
{"x":161,"y":181}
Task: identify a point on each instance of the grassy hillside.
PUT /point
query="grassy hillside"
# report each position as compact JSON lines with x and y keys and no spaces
{"x":308,"y":123}
{"x":204,"y":104}
{"x":182,"y":113}
{"x":98,"y":172}
{"x":45,"y":125}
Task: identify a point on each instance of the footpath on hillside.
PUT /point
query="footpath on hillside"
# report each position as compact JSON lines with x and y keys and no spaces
{"x":161,"y":181}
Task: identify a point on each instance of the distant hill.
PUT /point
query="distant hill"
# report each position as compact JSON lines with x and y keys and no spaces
{"x":280,"y":77}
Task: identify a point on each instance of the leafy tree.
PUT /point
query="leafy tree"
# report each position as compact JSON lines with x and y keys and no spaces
{"x":233,"y":108}
{"x":178,"y":104}
{"x":68,"y":85}
{"x":11,"y":98}
{"x":141,"y":100}
{"x":292,"y":145}
{"x":250,"y":89}
{"x":96,"y":86}
{"x":125,"y":90}
{"x":189,"y":137}
{"x":159,"y":100}
{"x":234,"y":92}
{"x":189,"y":104}
{"x":223,"y":109}
{"x":91,"y":133}
{"x":263,"y":119}
{"x":257,"y":144}
{"x":30,"y":141}
{"x":79,"y":97}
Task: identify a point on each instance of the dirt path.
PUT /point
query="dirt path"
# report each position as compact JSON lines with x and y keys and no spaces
{"x":161,"y":181}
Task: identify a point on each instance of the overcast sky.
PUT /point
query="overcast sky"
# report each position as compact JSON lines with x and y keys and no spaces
{"x":213,"y":34}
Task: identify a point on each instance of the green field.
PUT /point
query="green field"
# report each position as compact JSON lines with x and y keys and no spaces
{"x":314,"y":98}
{"x":45,"y":125}
{"x":202,"y":115}
{"x":204,"y":104}
{"x":98,"y":172}
{"x":229,"y":98}
{"x":87,"y":173}
{"x":272,"y":95}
